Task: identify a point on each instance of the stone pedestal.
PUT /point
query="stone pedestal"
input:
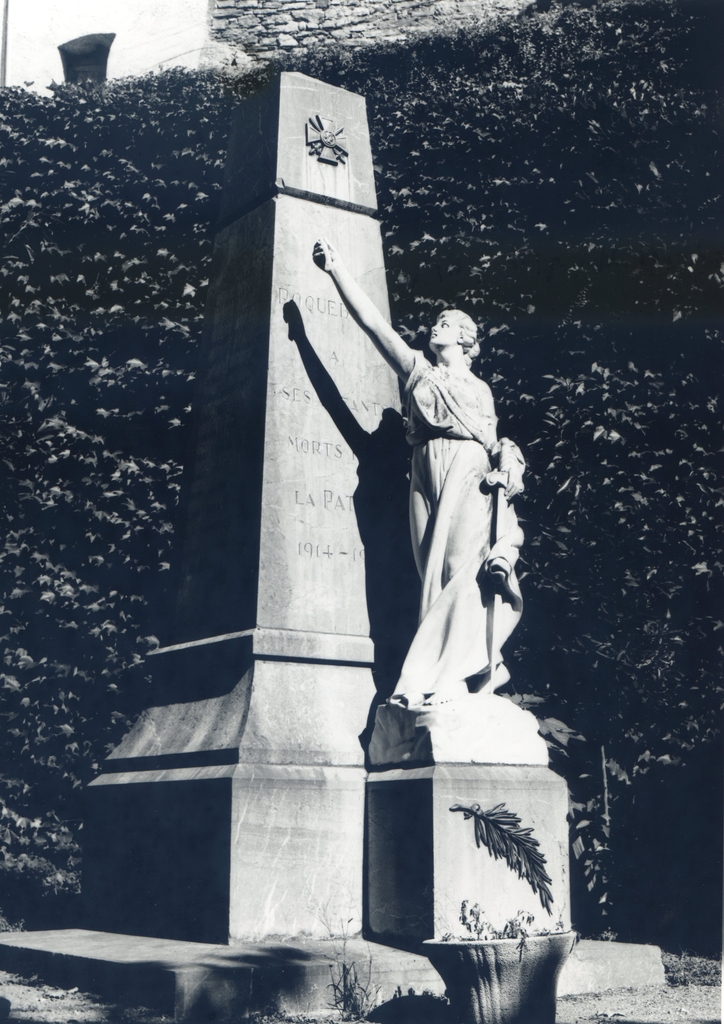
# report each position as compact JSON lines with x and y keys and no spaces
{"x":234,"y":807}
{"x":479,"y":729}
{"x":227,"y":852}
{"x":423,"y":860}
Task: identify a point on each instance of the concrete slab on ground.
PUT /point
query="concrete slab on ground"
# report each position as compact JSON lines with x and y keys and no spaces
{"x":598,"y":966}
{"x":190,"y":979}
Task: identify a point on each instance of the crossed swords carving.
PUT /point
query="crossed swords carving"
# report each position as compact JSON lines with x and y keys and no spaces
{"x":324,"y":142}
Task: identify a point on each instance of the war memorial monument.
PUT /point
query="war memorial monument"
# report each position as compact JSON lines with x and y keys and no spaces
{"x":282,"y":793}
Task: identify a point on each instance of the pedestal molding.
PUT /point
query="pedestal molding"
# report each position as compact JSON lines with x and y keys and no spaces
{"x":268,"y":644}
{"x":298,"y":193}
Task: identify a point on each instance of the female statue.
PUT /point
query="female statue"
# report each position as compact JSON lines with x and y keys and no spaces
{"x":465,"y":536}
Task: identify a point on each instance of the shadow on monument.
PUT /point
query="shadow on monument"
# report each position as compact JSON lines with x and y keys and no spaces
{"x":193,"y":901}
{"x":381,"y":507}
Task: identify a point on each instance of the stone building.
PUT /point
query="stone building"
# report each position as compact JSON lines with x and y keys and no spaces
{"x":50,"y":41}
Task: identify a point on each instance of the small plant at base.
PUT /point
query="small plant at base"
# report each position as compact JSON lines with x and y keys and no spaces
{"x":481,"y":930}
{"x":352,"y":997}
{"x":517,"y":927}
{"x":477,"y":925}
{"x":560,"y":927}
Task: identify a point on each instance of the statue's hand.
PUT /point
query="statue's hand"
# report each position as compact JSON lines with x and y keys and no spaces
{"x":500,"y":569}
{"x":325,"y":255}
{"x":512,"y":463}
{"x":501,"y":572}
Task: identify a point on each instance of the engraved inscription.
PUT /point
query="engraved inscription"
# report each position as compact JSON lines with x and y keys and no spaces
{"x":324,"y":551}
{"x":313,"y":303}
{"x":310,"y":447}
{"x":291,"y":394}
{"x":337,"y":501}
{"x":329,"y":500}
{"x":288,"y":393}
{"x":356,"y":405}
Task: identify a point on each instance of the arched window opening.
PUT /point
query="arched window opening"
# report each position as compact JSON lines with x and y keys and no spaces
{"x":85,"y":59}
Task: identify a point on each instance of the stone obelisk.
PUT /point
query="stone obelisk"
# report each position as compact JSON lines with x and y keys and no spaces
{"x":234,"y":808}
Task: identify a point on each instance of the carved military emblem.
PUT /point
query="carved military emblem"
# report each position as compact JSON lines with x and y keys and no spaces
{"x":325,"y":141}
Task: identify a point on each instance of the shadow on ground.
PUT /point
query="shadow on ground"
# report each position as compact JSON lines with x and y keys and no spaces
{"x":424,"y":1009}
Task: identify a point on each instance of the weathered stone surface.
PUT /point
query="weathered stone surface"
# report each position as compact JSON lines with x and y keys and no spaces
{"x":268,"y":852}
{"x":268,"y":144}
{"x":300,"y":713}
{"x":297,"y":847}
{"x":312,"y":556}
{"x":423,"y":858}
{"x":481,"y":729}
{"x":273,"y":528}
{"x":307,"y":714}
{"x":250,"y":762}
{"x":597,"y":966}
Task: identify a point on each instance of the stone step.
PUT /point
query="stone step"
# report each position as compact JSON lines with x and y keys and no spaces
{"x":595,"y":966}
{"x":194,"y":979}
{"x":190,"y":980}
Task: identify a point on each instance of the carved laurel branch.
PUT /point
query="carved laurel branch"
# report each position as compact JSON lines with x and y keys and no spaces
{"x":499,"y":830}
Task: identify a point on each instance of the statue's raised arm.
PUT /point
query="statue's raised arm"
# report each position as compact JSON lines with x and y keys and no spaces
{"x":363,"y":310}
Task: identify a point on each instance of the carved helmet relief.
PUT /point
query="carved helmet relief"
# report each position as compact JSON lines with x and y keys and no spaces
{"x":325,"y":140}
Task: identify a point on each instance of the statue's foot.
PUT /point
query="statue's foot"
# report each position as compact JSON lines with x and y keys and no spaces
{"x":417,"y":698}
{"x":410,"y":699}
{"x":446,"y":693}
{"x":435,"y":699}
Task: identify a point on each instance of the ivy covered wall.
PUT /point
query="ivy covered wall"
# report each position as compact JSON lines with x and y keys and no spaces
{"x":558,"y":178}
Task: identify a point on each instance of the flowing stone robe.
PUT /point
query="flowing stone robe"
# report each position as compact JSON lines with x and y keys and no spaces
{"x":452,"y":426}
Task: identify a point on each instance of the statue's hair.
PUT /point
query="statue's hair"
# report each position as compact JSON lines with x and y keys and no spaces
{"x":468,"y":332}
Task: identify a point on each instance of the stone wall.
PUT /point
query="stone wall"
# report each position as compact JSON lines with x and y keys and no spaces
{"x":263,"y":27}
{"x":154,"y":34}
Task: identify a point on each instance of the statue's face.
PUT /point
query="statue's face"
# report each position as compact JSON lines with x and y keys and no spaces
{"x":445,"y":332}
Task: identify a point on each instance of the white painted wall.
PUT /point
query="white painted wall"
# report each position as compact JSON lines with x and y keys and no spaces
{"x":150,"y":34}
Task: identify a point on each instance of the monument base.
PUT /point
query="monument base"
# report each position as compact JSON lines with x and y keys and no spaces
{"x":195,"y":981}
{"x":481,"y":729}
{"x":190,"y":981}
{"x":238,"y":817}
{"x":226,"y":853}
{"x":424,"y":861}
